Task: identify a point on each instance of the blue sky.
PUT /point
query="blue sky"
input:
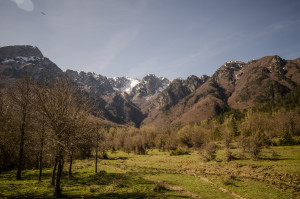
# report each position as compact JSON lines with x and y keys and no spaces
{"x":170,"y":38}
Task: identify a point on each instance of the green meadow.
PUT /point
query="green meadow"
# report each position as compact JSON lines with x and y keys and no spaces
{"x":276,"y":174}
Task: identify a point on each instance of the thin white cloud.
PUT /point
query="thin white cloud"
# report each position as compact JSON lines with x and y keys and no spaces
{"x":26,"y":5}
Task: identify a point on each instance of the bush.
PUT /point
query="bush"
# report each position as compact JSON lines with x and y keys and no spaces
{"x":286,"y":139}
{"x":227,"y":140}
{"x":265,"y":141}
{"x":140,"y":150}
{"x":228,"y":156}
{"x":178,"y":151}
{"x":159,"y":187}
{"x":250,"y":145}
{"x":228,"y":180}
{"x":208,"y":151}
{"x":104,"y":156}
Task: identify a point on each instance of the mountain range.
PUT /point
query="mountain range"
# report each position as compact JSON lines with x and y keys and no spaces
{"x":156,"y":100}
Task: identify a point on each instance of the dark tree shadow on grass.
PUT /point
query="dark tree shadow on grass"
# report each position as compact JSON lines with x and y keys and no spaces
{"x":95,"y":184}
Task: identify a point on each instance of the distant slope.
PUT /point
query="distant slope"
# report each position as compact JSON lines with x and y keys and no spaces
{"x":235,"y":85}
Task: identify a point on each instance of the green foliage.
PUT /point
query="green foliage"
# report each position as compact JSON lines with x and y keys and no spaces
{"x":219,"y":109}
{"x":265,"y":141}
{"x":261,"y":98}
{"x":286,"y":139}
{"x":219,"y":92}
{"x":273,"y":90}
{"x":216,"y":134}
{"x":289,"y":102}
{"x":104,"y":156}
{"x":234,"y":114}
{"x":234,"y":128}
{"x":243,"y":96}
{"x":263,"y":75}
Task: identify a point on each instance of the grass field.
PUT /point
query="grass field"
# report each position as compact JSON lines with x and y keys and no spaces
{"x":159,"y":175}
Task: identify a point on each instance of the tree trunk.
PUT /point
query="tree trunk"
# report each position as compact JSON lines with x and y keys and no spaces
{"x":2,"y":160}
{"x":70,"y":167}
{"x":57,"y":191}
{"x":96,"y":160}
{"x":41,"y":156}
{"x":21,"y":153}
{"x":53,"y":172}
{"x":37,"y":160}
{"x":41,"y":166}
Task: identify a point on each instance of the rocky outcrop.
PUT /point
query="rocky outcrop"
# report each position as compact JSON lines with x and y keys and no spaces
{"x":178,"y":89}
{"x":95,"y":85}
{"x":150,"y":85}
{"x":124,"y":110}
{"x":18,"y":61}
{"x":10,"y":52}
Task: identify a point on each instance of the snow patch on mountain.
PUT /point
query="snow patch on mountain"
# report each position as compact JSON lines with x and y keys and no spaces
{"x":22,"y":60}
{"x":124,"y":84}
{"x":130,"y":85}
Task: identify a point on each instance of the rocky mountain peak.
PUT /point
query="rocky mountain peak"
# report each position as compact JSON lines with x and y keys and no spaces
{"x":178,"y":89}
{"x":11,"y":52}
{"x":278,"y":60}
{"x":193,"y":82}
{"x":123,"y":84}
{"x":71,"y":74}
{"x":150,"y":85}
{"x":204,"y":78}
{"x":17,"y":61}
{"x":230,"y":71}
{"x":277,"y":64}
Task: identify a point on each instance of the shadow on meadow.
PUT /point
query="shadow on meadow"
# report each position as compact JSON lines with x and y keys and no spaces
{"x":101,"y":185}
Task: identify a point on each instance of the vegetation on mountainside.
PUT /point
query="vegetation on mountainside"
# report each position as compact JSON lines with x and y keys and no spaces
{"x":46,"y":128}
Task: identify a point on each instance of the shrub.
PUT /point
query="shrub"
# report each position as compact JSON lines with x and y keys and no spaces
{"x":286,"y":139}
{"x":208,"y":151}
{"x":228,"y":180}
{"x":159,"y":187}
{"x":228,"y":156}
{"x":254,"y":147}
{"x":226,"y":139}
{"x":178,"y":151}
{"x":250,"y":145}
{"x":104,"y":156}
{"x":140,"y":150}
{"x":263,"y":138}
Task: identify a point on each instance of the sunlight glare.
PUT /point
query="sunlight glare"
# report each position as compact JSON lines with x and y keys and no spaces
{"x":26,"y":5}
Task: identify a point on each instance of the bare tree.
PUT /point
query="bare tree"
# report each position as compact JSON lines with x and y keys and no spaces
{"x":64,"y":107}
{"x":99,"y":131}
{"x":21,"y":96}
{"x":7,"y":141}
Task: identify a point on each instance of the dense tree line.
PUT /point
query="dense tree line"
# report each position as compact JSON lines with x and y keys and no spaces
{"x":271,"y":123}
{"x":249,"y":131}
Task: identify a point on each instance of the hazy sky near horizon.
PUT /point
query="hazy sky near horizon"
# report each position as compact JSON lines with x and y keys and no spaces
{"x":170,"y":38}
